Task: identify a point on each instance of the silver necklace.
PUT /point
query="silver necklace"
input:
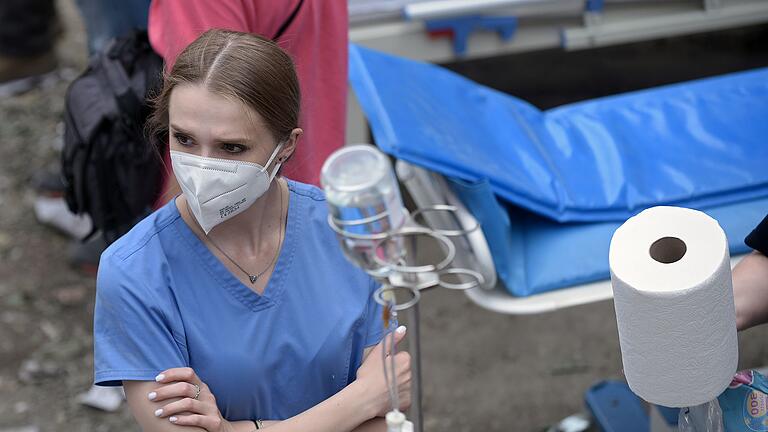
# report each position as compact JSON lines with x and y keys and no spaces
{"x":252,"y":277}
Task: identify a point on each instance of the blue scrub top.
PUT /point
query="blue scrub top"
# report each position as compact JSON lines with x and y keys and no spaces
{"x":164,"y":300}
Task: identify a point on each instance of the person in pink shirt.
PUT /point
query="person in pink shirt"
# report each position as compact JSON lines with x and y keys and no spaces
{"x":313,"y":32}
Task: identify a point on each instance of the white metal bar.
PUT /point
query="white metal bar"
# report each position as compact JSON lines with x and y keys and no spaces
{"x":500,"y":301}
{"x":452,"y":8}
{"x":410,"y":40}
{"x":713,"y":4}
{"x":367,"y":11}
{"x":617,"y":30}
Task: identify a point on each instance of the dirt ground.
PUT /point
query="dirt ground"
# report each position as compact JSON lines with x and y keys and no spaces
{"x":482,"y":371}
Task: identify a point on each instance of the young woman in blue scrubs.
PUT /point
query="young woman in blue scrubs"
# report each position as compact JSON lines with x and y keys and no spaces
{"x":232,"y":308}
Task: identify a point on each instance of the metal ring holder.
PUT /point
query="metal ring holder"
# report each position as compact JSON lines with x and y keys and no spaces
{"x":337,"y":226}
{"x":445,"y":244}
{"x":379,"y":293}
{"x":399,"y":276}
{"x":479,"y":279}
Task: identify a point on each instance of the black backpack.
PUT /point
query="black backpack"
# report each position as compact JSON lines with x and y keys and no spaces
{"x":112,"y":171}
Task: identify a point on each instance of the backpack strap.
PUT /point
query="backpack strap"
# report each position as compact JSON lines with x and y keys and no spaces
{"x":288,"y":22}
{"x":120,"y":86}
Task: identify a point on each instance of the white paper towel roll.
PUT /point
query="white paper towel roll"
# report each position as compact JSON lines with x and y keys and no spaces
{"x":672,"y":288}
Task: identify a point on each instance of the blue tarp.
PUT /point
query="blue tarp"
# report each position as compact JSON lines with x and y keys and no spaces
{"x":695,"y":144}
{"x":570,"y":175}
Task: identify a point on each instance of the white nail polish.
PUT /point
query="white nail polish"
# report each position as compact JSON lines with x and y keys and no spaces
{"x":159,"y":412}
{"x":152,"y":395}
{"x":172,"y":419}
{"x":160,"y":377}
{"x":401,"y":329}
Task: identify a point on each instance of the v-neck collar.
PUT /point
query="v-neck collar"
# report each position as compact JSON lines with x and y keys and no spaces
{"x":273,"y":290}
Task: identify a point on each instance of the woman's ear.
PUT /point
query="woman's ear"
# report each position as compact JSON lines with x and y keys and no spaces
{"x":290,"y":145}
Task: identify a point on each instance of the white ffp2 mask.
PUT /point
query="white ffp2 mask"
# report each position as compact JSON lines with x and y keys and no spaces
{"x":218,"y":189}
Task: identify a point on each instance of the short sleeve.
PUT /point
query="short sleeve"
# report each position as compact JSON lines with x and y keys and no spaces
{"x":374,"y":325}
{"x":134,"y":338}
{"x":758,"y":238}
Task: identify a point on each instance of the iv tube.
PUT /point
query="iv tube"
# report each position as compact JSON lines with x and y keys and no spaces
{"x":391,"y":382}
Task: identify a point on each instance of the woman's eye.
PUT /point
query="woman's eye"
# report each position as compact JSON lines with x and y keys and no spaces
{"x":233,"y":148}
{"x":183,"y":140}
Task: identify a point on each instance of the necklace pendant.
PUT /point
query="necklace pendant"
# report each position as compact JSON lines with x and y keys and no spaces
{"x":253,"y":278}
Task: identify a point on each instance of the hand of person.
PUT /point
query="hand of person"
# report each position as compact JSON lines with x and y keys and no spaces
{"x":750,"y":290}
{"x":197,"y":406}
{"x":371,"y":376}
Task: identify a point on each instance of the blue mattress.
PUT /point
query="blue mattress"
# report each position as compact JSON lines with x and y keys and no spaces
{"x":534,"y":254}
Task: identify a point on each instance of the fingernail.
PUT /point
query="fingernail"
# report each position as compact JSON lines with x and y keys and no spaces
{"x":159,"y":412}
{"x":160,"y":377}
{"x":152,"y":395}
{"x":172,"y":419}
{"x":401,"y":329}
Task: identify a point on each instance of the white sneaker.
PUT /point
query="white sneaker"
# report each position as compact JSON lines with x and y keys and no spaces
{"x":53,"y":211}
{"x":103,"y":398}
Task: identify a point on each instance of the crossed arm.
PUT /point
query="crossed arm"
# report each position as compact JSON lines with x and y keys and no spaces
{"x":341,"y":412}
{"x":359,"y":407}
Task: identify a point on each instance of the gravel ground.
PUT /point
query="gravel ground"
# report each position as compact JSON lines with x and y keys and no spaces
{"x":46,"y":307}
{"x":482,"y":371}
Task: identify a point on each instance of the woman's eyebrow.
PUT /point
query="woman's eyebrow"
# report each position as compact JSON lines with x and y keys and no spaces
{"x":181,"y":130}
{"x":242,"y":141}
{"x":234,"y":140}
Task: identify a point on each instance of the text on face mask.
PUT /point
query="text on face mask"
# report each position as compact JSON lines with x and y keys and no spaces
{"x":228,"y":210}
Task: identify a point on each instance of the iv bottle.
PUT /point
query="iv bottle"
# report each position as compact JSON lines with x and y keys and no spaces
{"x":364,"y":198}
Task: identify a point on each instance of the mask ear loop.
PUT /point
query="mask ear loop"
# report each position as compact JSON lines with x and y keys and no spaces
{"x":272,"y":158}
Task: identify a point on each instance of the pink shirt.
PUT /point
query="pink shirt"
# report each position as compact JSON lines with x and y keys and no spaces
{"x":316,"y":39}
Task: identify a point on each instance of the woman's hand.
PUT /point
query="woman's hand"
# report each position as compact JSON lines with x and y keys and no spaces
{"x":371,"y":376}
{"x":197,"y":406}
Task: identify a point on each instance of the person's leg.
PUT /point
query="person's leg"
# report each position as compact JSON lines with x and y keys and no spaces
{"x":28,"y":29}
{"x":107,"y":20}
